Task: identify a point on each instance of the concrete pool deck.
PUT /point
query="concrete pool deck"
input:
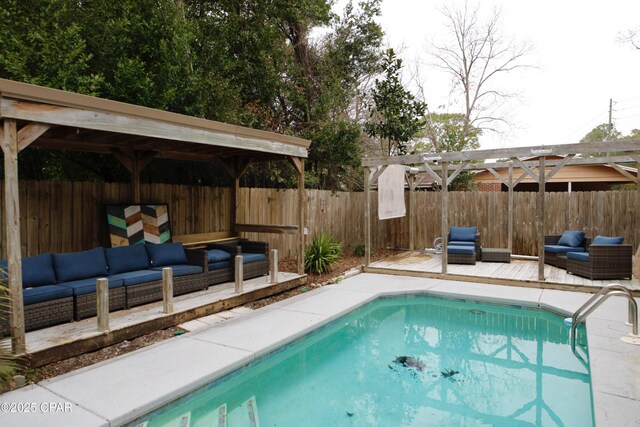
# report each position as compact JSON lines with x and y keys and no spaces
{"x":119,"y":390}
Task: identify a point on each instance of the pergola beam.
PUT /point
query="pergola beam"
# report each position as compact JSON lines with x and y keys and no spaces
{"x":30,"y":133}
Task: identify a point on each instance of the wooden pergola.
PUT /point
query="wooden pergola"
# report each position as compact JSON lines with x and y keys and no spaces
{"x":34,"y":116}
{"x":437,"y":165}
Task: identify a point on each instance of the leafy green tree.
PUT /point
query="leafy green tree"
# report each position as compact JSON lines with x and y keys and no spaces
{"x":603,"y":132}
{"x":396,"y":115}
{"x":446,"y":132}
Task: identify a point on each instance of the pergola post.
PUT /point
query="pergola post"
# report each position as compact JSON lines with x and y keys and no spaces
{"x":9,"y":139}
{"x":540,"y":219}
{"x":367,"y":216}
{"x":510,"y":201}
{"x":444,"y":229}
{"x":411,"y":181}
{"x":637,"y":228}
{"x":298,"y":164}
{"x":134,"y":162}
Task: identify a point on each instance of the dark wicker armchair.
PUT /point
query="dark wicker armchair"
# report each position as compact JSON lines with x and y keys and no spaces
{"x":603,"y":262}
{"x":559,"y":259}
{"x":244,"y":247}
{"x":477,"y":245}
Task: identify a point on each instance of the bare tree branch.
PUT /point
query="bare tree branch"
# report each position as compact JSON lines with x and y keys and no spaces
{"x":474,"y":54}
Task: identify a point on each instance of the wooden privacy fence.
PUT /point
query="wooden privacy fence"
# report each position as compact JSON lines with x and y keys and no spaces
{"x":66,"y":216}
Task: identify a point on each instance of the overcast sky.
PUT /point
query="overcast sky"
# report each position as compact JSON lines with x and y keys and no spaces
{"x":580,"y":64}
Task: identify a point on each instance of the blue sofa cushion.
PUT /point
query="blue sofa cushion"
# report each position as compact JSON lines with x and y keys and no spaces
{"x":249,"y":258}
{"x":459,"y":243}
{"x":219,"y":265}
{"x":461,"y":250}
{"x":127,"y":258}
{"x":581,"y":256}
{"x":217,"y":255}
{"x":558,"y":249}
{"x":36,"y":270}
{"x":138,"y":277}
{"x":89,"y":286}
{"x":603,"y":240}
{"x":181,"y":269}
{"x":166,"y":254}
{"x":463,"y":234}
{"x":80,"y":265}
{"x":571,"y":238}
{"x":45,"y":293}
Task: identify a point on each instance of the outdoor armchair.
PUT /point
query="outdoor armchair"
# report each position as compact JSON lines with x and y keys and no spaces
{"x":465,"y":236}
{"x":607,"y":258}
{"x":557,"y":246}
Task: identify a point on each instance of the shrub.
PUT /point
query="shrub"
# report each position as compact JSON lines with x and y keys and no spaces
{"x":7,"y":360}
{"x":322,"y":254}
{"x":359,"y":250}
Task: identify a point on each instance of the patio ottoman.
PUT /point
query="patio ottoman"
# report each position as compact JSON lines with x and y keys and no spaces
{"x":461,"y":255}
{"x":496,"y":255}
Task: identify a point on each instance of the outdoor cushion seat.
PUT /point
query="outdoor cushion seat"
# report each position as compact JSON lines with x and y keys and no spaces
{"x":217,"y":255}
{"x":560,"y":249}
{"x":463,"y":234}
{"x":461,"y":249}
{"x":36,"y":270}
{"x":249,"y":258}
{"x":603,"y":240}
{"x":132,"y":278}
{"x":122,"y":259}
{"x":165,"y":254}
{"x":218,"y":265}
{"x":461,"y":243}
{"x":89,"y":286}
{"x":45,"y":293}
{"x":581,"y":256}
{"x":80,"y":265}
{"x":180,"y":270}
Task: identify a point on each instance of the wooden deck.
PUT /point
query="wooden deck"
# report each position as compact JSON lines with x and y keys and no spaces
{"x":63,"y":341}
{"x":516,"y":273}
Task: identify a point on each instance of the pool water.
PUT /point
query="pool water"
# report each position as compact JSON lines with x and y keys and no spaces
{"x":415,"y":361}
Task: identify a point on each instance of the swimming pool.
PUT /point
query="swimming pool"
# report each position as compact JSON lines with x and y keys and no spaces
{"x":406,"y":361}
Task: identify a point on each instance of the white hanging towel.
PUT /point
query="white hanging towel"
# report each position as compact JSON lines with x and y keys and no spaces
{"x":391,"y":193}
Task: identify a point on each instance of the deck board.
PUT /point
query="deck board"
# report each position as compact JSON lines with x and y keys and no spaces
{"x":520,"y":272}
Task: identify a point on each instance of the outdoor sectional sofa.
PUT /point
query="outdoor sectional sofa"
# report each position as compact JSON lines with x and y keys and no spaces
{"x":255,"y":256}
{"x":59,"y":288}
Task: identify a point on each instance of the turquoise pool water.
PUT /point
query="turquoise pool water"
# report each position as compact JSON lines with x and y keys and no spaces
{"x":415,"y":361}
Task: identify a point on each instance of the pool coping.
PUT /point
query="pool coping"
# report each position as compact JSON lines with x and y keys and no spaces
{"x":166,"y":370}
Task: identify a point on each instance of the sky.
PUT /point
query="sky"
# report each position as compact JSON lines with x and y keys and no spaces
{"x":579,"y":64}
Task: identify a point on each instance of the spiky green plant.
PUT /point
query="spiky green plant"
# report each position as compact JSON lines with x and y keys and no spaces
{"x":322,"y":254}
{"x":8,"y":366}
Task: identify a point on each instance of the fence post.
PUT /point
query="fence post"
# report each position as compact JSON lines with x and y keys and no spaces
{"x":167,"y":290}
{"x":239,"y":273}
{"x":102,"y":301}
{"x":274,"y":266}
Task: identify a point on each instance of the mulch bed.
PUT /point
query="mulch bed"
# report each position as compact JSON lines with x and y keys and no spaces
{"x":345,"y":263}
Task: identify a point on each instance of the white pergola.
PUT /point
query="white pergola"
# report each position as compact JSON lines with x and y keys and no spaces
{"x":438,"y":165}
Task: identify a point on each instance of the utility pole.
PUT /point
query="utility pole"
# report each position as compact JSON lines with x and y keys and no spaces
{"x":610,"y":113}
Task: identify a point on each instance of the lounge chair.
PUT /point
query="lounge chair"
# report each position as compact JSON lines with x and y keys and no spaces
{"x":557,"y":246}
{"x":606,"y":258}
{"x":464,"y":236}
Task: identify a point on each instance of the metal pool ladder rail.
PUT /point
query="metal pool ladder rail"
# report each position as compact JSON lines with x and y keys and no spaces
{"x":595,"y":301}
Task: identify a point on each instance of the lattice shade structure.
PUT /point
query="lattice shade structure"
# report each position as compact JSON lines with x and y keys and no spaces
{"x":133,"y":224}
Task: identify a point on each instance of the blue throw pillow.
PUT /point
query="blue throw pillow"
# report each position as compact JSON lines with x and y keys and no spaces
{"x":36,"y":270}
{"x":571,"y":238}
{"x":80,"y":265}
{"x":603,"y":240}
{"x":464,"y":234}
{"x":166,"y":254}
{"x":218,"y":255}
{"x":122,"y":259}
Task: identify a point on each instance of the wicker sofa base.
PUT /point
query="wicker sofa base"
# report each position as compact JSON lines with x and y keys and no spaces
{"x":461,"y":258}
{"x":42,"y":315}
{"x":555,"y":259}
{"x":255,"y":269}
{"x":152,"y":291}
{"x":605,"y":262}
{"x":215,"y":277}
{"x":86,"y":305}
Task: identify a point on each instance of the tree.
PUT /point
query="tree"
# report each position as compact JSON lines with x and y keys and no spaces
{"x":446,"y":132}
{"x":631,"y":37}
{"x":475,"y":55}
{"x":396,"y":115}
{"x":603,"y":132}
